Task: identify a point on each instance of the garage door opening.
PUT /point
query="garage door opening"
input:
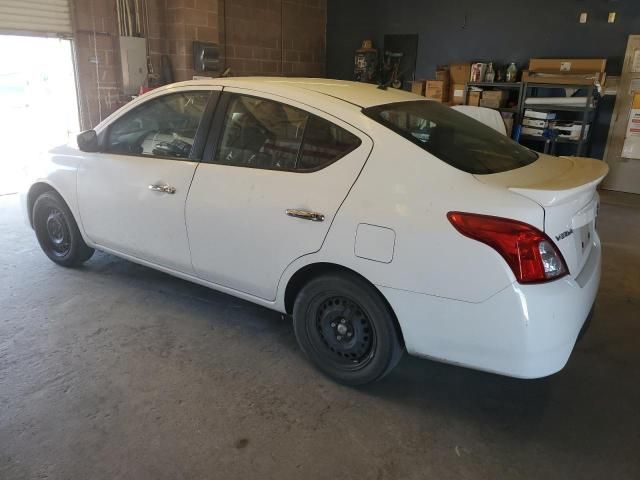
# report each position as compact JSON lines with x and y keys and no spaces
{"x":39,"y":103}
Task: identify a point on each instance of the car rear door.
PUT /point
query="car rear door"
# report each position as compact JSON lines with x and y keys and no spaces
{"x":273,"y":176}
{"x":132,"y":194}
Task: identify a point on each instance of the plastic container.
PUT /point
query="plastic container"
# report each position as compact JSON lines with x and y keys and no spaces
{"x":512,"y":73}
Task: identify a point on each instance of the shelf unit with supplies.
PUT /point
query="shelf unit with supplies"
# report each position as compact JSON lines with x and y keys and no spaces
{"x":511,"y":96}
{"x":550,"y":112}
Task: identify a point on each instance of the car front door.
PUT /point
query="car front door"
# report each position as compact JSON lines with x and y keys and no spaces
{"x":132,"y":193}
{"x":272,"y":179}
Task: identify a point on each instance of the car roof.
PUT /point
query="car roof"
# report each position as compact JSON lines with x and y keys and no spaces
{"x":360,"y":94}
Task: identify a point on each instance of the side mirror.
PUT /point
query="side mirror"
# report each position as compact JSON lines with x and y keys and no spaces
{"x":88,"y":141}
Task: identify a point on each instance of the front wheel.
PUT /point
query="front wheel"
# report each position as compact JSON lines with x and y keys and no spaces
{"x":346,"y":329}
{"x":57,"y":231}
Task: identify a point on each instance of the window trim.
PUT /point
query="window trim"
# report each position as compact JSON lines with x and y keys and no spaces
{"x":199,"y":141}
{"x":217,"y":129}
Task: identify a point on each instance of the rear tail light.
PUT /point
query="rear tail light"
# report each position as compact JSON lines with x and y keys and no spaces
{"x":530,"y":253}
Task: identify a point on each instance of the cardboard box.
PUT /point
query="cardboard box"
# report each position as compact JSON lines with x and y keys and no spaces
{"x":567,"y":65}
{"x":495,"y":95}
{"x":417,"y":87}
{"x":492,"y":102}
{"x":459,"y":73}
{"x":474,"y":98}
{"x":437,"y":90}
{"x":442,"y":73}
{"x":573,"y":79}
{"x":578,"y":71}
{"x":457,"y":93}
{"x":508,"y":120}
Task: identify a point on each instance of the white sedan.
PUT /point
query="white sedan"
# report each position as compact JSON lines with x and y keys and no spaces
{"x":379,"y":220}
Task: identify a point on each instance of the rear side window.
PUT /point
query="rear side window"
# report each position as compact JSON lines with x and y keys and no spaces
{"x":324,"y":143}
{"x":165,"y":126}
{"x":262,"y":133}
{"x":454,"y":138}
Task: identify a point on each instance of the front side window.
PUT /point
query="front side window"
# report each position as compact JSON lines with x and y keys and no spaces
{"x":451,"y":136}
{"x":262,"y":133}
{"x":165,"y":126}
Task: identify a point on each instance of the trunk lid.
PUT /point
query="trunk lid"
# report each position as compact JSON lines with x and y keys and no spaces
{"x":565,"y":187}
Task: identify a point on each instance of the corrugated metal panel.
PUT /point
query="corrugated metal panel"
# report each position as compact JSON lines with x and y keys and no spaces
{"x":36,"y":16}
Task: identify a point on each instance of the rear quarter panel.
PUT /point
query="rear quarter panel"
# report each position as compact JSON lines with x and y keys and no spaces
{"x":406,"y":189}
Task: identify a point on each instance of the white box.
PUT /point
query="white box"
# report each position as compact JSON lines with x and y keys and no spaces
{"x":541,"y":115}
{"x":133,"y":56}
{"x":631,"y":147}
{"x":571,"y":131}
{"x":536,"y":132}
{"x":534,"y":122}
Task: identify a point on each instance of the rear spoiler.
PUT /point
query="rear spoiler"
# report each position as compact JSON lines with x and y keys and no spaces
{"x":584,"y":176}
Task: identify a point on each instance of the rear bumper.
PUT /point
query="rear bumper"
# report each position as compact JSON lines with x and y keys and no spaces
{"x":524,"y":331}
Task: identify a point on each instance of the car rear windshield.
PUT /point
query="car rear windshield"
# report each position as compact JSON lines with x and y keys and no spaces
{"x":453,"y":137}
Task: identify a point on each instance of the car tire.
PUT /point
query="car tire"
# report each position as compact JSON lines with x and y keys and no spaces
{"x":57,"y":231}
{"x":346,"y":329}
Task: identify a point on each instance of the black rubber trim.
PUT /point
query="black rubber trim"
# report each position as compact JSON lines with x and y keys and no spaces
{"x":202,"y":133}
{"x":215,"y":128}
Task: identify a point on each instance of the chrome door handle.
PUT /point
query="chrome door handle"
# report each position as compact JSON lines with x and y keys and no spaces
{"x":163,"y":189}
{"x":305,"y":215}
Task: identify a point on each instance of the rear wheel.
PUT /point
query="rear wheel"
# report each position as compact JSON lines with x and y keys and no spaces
{"x":346,"y":329}
{"x":57,"y":231}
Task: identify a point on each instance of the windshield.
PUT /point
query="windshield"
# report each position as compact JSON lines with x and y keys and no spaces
{"x":453,"y":137}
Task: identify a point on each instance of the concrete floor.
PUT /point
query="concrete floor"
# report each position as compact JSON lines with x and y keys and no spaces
{"x":117,"y":371}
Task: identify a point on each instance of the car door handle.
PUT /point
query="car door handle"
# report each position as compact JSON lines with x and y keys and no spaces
{"x":305,"y":215}
{"x":163,"y":189}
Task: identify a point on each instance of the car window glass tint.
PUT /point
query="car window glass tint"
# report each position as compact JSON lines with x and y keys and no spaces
{"x":453,"y":137}
{"x":164,"y":126}
{"x":324,"y":143}
{"x":261,"y":133}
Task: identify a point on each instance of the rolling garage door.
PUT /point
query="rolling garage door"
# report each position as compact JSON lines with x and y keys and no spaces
{"x":36,"y":17}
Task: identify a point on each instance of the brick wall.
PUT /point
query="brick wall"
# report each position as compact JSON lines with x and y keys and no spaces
{"x":263,"y":37}
{"x":97,"y":60}
{"x":186,"y":21}
{"x":303,"y":37}
{"x":274,"y":37}
{"x":157,"y":34}
{"x":252,"y":30}
{"x":97,"y":55}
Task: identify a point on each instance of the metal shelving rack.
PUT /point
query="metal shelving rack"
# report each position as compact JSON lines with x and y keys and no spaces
{"x":517,"y":86}
{"x":588,"y":114}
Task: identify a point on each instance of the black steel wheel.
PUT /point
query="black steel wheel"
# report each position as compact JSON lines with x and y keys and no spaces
{"x":58,"y":236}
{"x":343,"y":331}
{"x":346,"y":329}
{"x":57,"y":231}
